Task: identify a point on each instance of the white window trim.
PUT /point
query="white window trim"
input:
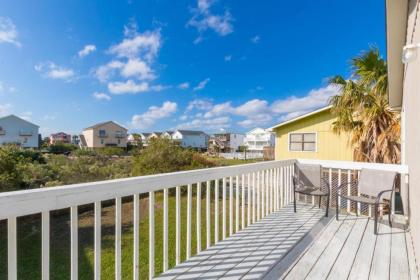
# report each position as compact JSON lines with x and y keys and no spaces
{"x":303,"y":132}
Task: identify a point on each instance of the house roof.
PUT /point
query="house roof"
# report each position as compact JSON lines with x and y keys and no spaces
{"x":145,"y":134}
{"x":396,"y":34}
{"x":300,"y":117}
{"x":16,"y":117}
{"x":103,"y":123}
{"x":190,"y":132}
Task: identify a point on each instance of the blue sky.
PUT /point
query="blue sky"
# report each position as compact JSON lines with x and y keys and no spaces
{"x":198,"y":64}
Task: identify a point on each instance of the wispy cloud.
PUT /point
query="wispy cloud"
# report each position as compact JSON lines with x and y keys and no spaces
{"x":128,"y":87}
{"x":185,"y":85}
{"x":201,"y":85}
{"x":206,"y":124}
{"x":101,"y":96}
{"x":5,"y":109}
{"x":228,"y":57}
{"x":204,"y":19}
{"x":256,"y":39}
{"x":153,"y":114}
{"x":258,"y":112}
{"x":53,"y":71}
{"x":86,"y":50}
{"x":8,"y":32}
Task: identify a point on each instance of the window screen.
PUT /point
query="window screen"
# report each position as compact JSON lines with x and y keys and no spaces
{"x":302,"y":142}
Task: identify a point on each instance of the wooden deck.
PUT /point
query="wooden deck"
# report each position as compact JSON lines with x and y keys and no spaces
{"x":285,"y":245}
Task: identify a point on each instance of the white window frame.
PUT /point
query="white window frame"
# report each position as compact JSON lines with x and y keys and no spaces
{"x":305,"y":132}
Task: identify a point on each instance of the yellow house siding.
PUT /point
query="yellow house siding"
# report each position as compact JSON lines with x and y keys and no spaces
{"x":329,"y":146}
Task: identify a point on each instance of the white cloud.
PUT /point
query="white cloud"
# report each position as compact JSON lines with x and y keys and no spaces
{"x":316,"y":98}
{"x":258,"y":112}
{"x":153,"y":114}
{"x":86,"y":50}
{"x":185,"y":85}
{"x":256,"y":39}
{"x":101,"y":96}
{"x":137,"y":68}
{"x":201,"y":85}
{"x":128,"y":87}
{"x":214,"y":123}
{"x":5,"y":109}
{"x":103,"y":72}
{"x":48,"y":117}
{"x":145,"y":44}
{"x":200,"y":104}
{"x":228,"y":57}
{"x":26,"y":115}
{"x":53,"y":71}
{"x":8,"y":32}
{"x":204,"y":19}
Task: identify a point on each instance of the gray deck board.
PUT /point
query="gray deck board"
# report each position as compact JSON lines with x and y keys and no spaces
{"x":285,"y":245}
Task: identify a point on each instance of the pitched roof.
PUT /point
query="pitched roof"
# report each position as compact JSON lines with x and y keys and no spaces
{"x":190,"y":132}
{"x":16,"y":117}
{"x":300,"y":117}
{"x":103,"y":123}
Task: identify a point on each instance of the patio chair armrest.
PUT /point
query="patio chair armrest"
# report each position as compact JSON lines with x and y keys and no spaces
{"x":378,"y":198}
{"x":327,"y":184}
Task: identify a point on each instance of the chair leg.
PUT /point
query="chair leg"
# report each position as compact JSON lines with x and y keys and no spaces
{"x":376,"y":219}
{"x":336,"y":208}
{"x":319,"y":202}
{"x":328,"y":206}
{"x":294,"y":201}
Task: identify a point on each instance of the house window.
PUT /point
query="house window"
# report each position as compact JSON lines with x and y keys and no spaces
{"x":119,"y":141}
{"x":303,"y":142}
{"x":102,"y":141}
{"x":102,"y":133}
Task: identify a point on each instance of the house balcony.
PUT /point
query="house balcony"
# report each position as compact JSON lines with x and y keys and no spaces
{"x":25,"y":133}
{"x":227,"y":222}
{"x":120,"y":135}
{"x":103,"y":135}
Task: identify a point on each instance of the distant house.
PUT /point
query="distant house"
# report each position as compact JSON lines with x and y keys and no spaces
{"x":75,"y":140}
{"x":145,"y":138}
{"x":311,"y":136}
{"x":167,"y":134}
{"x":106,"y":134}
{"x":18,"y":131}
{"x":258,"y":138}
{"x":154,"y":135}
{"x":191,"y":139}
{"x":60,"y":137}
{"x":225,"y":142}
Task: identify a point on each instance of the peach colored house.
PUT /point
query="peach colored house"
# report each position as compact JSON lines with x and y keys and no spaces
{"x":106,"y":134}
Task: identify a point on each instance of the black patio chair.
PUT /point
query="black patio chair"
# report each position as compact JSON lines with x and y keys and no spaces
{"x":308,"y":180}
{"x":372,"y":185}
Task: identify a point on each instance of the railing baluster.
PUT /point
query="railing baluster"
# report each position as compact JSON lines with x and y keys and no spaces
{"x":258,"y":195}
{"x":45,"y":245}
{"x":339,"y":191}
{"x":151,"y":235}
{"x":224,"y":208}
{"x":230,"y":205}
{"x":189,"y":200}
{"x":118,"y":238}
{"x":330,"y":183}
{"x":243,"y":202}
{"x":74,"y":243}
{"x":208,"y":217}
{"x":165,"y":230}
{"x":178,"y":226}
{"x":271,"y":190}
{"x":358,"y":194}
{"x":262,"y":193}
{"x":348,"y":190}
{"x":281,"y":187}
{"x":11,"y":249}
{"x":253,"y":196}
{"x":248,"y":208}
{"x":136,"y":237}
{"x":198,"y":225}
{"x":237,"y":189}
{"x":216,"y":211}
{"x":97,"y":242}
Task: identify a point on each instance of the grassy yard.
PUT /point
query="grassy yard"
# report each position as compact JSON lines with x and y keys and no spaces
{"x":29,"y":239}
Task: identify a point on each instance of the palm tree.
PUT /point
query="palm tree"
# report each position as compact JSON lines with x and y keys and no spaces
{"x":362,"y":110}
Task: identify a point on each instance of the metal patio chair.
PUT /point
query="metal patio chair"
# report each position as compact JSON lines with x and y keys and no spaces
{"x":307,"y":179}
{"x":372,"y":186}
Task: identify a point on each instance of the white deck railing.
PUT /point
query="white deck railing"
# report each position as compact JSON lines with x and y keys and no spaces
{"x":249,"y":191}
